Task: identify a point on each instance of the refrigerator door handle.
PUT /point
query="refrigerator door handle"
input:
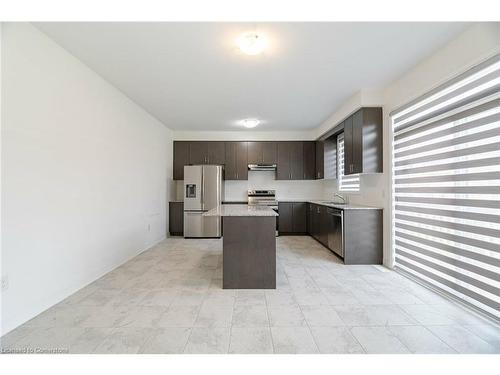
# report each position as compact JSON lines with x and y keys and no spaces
{"x":202,"y":189}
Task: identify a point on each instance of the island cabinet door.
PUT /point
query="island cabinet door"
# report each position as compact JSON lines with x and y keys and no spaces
{"x":299,"y":217}
{"x":286,"y":217}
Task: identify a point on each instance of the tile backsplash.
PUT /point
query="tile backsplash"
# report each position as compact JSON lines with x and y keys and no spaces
{"x":237,"y":190}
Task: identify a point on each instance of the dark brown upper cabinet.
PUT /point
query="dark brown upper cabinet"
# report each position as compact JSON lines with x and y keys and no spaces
{"x":283,"y":167}
{"x":348,"y":144}
{"x":262,"y":152}
{"x":254,"y":150}
{"x":198,"y":152}
{"x":216,"y":152}
{"x":363,"y":142}
{"x":269,"y":152}
{"x":330,"y":157}
{"x":290,"y":161}
{"x":309,"y":150}
{"x":320,"y":158}
{"x":181,"y":158}
{"x":236,"y":161}
{"x":207,"y":152}
{"x":297,"y":161}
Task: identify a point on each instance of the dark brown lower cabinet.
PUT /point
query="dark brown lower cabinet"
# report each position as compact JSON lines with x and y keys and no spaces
{"x":310,"y":215}
{"x":176,"y":218}
{"x":363,"y":236}
{"x":323,"y":225}
{"x":293,"y":217}
{"x":285,"y":210}
{"x":362,"y":232}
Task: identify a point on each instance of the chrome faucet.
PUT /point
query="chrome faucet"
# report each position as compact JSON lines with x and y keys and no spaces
{"x":337,"y":195}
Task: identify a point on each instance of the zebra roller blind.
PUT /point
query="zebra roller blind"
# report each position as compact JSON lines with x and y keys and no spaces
{"x":446,"y":187}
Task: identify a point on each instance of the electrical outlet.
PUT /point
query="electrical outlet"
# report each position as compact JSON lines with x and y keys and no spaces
{"x":5,"y":283}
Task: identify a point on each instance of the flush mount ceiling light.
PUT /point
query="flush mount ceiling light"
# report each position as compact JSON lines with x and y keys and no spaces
{"x":252,"y":43}
{"x":250,"y":122}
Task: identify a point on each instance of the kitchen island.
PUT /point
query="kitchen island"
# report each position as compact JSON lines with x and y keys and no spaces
{"x":249,"y":246}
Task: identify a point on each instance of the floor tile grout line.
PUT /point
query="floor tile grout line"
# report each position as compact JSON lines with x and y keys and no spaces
{"x":231,"y":325}
{"x":305,"y":320}
{"x":269,"y":323}
{"x":348,"y":328}
{"x":440,"y":339}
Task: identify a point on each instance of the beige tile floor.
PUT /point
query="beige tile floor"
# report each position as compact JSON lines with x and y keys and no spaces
{"x":169,"y":300}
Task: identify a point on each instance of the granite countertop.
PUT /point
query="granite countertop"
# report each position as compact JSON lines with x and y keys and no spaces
{"x":344,"y":206}
{"x":240,"y":210}
{"x":245,"y":210}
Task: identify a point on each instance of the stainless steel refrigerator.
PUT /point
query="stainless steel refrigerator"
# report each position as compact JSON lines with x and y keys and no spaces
{"x":203,"y":190}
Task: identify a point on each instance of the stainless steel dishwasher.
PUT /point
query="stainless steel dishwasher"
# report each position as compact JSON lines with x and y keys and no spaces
{"x":336,"y":231}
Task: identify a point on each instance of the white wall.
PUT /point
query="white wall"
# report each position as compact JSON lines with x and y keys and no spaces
{"x":86,"y":175}
{"x":474,"y":45}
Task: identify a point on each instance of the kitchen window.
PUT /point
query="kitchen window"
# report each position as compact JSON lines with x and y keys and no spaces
{"x":446,"y":187}
{"x":349,"y":183}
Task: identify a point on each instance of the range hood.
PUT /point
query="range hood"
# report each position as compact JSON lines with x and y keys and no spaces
{"x":261,"y":167}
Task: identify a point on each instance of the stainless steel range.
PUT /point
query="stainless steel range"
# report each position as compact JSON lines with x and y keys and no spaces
{"x":264,"y":198}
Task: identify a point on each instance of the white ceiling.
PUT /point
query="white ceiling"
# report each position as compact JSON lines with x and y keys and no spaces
{"x":191,"y":76}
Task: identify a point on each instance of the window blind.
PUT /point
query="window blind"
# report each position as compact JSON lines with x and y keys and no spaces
{"x":349,"y":183}
{"x":446,"y":187}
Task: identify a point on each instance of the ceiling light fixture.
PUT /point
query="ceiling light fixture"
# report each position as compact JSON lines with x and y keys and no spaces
{"x":252,"y":43}
{"x":250,"y":123}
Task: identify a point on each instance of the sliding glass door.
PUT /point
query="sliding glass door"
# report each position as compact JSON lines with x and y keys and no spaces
{"x":446,"y":187}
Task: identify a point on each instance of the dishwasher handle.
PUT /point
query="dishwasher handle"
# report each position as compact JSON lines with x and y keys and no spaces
{"x":334,"y":212}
